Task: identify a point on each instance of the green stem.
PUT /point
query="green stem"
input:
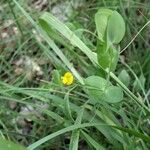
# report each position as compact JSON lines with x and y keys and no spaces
{"x":16,"y":19}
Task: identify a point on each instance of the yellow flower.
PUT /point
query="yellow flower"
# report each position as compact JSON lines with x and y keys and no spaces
{"x":67,"y":79}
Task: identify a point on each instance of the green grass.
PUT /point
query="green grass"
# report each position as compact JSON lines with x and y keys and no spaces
{"x":37,"y":48}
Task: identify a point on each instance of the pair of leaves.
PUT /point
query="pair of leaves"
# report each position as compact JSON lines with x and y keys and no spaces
{"x":110,"y":26}
{"x":100,"y":89}
{"x":111,"y":29}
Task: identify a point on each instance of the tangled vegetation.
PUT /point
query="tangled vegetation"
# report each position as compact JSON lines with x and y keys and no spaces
{"x":74,"y":74}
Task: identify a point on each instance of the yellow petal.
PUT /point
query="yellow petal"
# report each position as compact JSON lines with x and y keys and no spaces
{"x":68,"y":78}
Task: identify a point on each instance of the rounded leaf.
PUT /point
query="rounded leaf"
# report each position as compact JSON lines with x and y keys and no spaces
{"x":101,"y":19}
{"x":95,"y":87}
{"x":124,"y":77}
{"x":113,"y":94}
{"x":115,"y":28}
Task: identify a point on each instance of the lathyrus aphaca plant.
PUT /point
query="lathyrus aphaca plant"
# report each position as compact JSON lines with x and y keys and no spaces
{"x":110,"y":28}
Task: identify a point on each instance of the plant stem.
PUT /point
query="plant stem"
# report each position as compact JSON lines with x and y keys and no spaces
{"x":15,"y":18}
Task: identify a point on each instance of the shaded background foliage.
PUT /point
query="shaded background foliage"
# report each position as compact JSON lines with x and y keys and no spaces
{"x":24,"y":62}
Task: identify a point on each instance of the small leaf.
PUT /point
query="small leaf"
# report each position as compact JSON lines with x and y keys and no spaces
{"x":67,"y":108}
{"x":56,"y":77}
{"x":8,"y":145}
{"x":101,"y":19}
{"x":124,"y":77}
{"x":115,"y":28}
{"x":95,"y":86}
{"x":75,"y":134}
{"x":107,"y":59}
{"x":140,"y":83}
{"x":113,"y":94}
{"x":100,"y":89}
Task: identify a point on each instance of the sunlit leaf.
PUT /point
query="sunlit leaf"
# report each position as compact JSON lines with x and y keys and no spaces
{"x":113,"y":94}
{"x":101,"y":19}
{"x":124,"y":77}
{"x":95,"y":86}
{"x":115,"y":28}
{"x":107,"y":59}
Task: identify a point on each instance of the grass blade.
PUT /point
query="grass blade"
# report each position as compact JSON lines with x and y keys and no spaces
{"x":62,"y":131}
{"x":53,"y":22}
{"x":135,"y":133}
{"x":75,"y":134}
{"x":95,"y":144}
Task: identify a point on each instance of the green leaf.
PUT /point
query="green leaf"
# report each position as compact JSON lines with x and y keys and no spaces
{"x":113,"y":94}
{"x":62,"y":131}
{"x":134,"y":132}
{"x":95,"y":86}
{"x":8,"y":145}
{"x":107,"y":59}
{"x":139,"y":84}
{"x":115,"y":28}
{"x":94,"y":143}
{"x":54,"y":23}
{"x":74,"y":140}
{"x":75,"y":134}
{"x":100,"y":89}
{"x":124,"y":77}
{"x":56,"y":78}
{"x":67,"y":108}
{"x":96,"y":82}
{"x":101,"y":19}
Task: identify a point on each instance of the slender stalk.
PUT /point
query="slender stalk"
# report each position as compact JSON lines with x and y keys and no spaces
{"x":15,"y":18}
